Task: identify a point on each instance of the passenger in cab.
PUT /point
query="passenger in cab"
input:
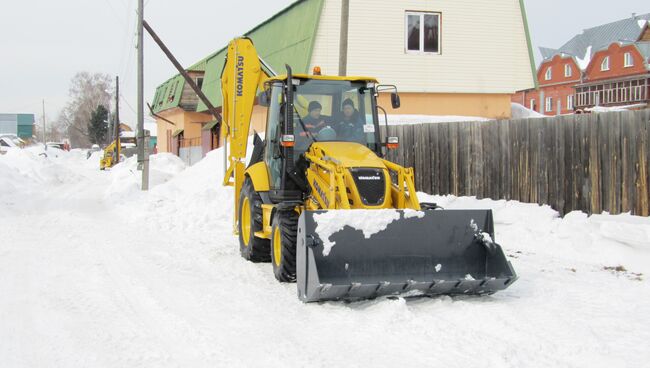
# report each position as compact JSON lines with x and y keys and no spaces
{"x":349,"y":126}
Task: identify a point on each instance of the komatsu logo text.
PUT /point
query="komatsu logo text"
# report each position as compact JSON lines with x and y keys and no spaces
{"x":369,"y":178}
{"x":321,"y":193}
{"x":240,"y":76}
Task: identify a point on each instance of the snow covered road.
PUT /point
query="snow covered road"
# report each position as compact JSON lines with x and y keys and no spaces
{"x":95,"y":273}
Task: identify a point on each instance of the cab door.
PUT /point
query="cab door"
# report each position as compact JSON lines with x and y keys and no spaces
{"x":272,"y":156}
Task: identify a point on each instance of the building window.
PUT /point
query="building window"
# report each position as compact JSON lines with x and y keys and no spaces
{"x":604,"y":66}
{"x":629,"y":61}
{"x":568,"y":72}
{"x":549,"y":104}
{"x":199,"y":82}
{"x":423,"y":32}
{"x":549,"y":73}
{"x":532,"y":104}
{"x":569,"y":102}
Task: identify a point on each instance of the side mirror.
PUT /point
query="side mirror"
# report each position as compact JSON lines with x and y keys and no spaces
{"x":392,"y":143}
{"x":394,"y":100}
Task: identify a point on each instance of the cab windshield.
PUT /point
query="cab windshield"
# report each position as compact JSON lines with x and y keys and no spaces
{"x":333,"y":111}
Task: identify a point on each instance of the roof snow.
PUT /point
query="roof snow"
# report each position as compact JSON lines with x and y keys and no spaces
{"x":596,"y":38}
{"x":583,"y":63}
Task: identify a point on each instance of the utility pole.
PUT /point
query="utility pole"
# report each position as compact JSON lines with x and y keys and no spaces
{"x":343,"y":41}
{"x":143,"y":158}
{"x":44,"y":141}
{"x":116,"y":120}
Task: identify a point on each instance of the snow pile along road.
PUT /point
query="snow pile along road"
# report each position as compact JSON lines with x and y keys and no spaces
{"x":96,"y":273}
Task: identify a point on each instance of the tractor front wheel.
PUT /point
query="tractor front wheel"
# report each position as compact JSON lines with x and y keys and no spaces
{"x":283,"y":245}
{"x":251,"y":247}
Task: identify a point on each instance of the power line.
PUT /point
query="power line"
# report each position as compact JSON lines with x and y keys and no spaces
{"x":126,"y":102}
{"x":115,"y":12}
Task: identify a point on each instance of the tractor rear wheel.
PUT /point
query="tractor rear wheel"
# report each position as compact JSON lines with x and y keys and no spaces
{"x":283,"y":245}
{"x":251,"y":247}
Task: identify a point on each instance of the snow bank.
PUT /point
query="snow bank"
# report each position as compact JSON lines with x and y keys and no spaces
{"x":603,"y":240}
{"x":169,"y":288}
{"x":521,"y":112}
{"x":616,"y":108}
{"x":428,"y":119}
{"x":126,"y":179}
{"x":32,"y":166}
{"x":518,"y":112}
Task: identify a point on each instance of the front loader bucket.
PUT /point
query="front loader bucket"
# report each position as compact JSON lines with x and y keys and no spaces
{"x":429,"y":252}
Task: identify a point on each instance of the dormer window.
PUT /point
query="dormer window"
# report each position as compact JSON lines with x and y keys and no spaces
{"x":568,"y":72}
{"x":629,"y":61}
{"x":549,"y":73}
{"x":604,"y":66}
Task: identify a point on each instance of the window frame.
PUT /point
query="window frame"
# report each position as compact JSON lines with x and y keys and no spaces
{"x":570,"y":105}
{"x":628,"y":60}
{"x":548,"y":75}
{"x":533,"y":102}
{"x":604,"y":65}
{"x":548,"y":104}
{"x":568,"y":71}
{"x":421,"y":14}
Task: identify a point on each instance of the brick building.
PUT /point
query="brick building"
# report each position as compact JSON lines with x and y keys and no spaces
{"x":607,"y":65}
{"x":616,"y":76}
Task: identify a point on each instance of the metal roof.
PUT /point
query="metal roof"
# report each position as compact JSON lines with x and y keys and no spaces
{"x":210,"y":125}
{"x":168,"y":95}
{"x":285,"y":38}
{"x":625,"y":30}
{"x":644,"y":49}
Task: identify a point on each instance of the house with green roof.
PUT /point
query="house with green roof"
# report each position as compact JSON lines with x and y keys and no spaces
{"x":446,"y":58}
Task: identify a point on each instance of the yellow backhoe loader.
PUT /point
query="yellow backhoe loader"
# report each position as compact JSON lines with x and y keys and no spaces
{"x":119,"y":150}
{"x":111,"y":155}
{"x":319,"y":201}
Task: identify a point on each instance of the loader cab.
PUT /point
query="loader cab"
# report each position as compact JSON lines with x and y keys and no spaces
{"x":289,"y":133}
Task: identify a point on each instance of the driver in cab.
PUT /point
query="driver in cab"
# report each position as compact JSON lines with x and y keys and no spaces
{"x":314,"y":121}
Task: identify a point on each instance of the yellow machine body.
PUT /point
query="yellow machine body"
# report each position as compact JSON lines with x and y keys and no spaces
{"x":111,"y":155}
{"x":309,"y":175}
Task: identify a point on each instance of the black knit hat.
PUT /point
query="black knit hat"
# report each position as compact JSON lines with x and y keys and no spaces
{"x":348,"y":101}
{"x":314,"y":105}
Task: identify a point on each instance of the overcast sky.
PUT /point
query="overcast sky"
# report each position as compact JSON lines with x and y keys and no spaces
{"x":43,"y":43}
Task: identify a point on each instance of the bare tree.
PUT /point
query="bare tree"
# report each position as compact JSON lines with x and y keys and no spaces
{"x":87,"y":91}
{"x":56,"y":132}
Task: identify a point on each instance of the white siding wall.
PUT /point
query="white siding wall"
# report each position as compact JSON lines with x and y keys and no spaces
{"x":483,"y":44}
{"x":326,"y":46}
{"x":8,"y":124}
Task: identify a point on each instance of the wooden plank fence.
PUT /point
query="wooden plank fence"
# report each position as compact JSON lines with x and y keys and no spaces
{"x":591,"y":162}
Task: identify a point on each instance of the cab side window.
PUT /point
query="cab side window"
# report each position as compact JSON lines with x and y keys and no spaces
{"x":272,"y":154}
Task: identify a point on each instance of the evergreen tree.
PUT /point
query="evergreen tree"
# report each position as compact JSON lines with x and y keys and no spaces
{"x":98,"y":125}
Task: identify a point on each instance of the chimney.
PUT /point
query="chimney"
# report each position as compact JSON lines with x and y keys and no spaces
{"x":634,"y":16}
